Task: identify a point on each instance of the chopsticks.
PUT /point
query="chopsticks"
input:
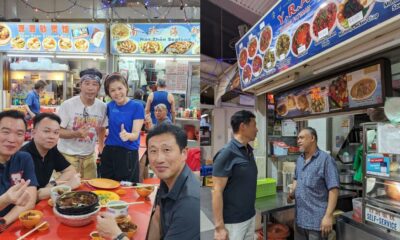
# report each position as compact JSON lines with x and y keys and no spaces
{"x":31,"y":231}
{"x":122,"y":204}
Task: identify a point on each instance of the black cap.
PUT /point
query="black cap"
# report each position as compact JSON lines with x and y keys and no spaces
{"x":91,"y":71}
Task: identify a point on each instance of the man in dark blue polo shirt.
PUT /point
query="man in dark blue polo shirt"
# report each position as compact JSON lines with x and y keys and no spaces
{"x":316,"y":185}
{"x":235,"y":182}
{"x":46,"y":157}
{"x":17,"y":175}
{"x":177,"y":212}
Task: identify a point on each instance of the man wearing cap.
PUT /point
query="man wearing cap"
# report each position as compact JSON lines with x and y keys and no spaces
{"x":83,"y":122}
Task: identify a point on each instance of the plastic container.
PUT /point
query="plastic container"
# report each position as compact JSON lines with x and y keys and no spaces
{"x":287,"y":178}
{"x":280,"y":149}
{"x":357,"y":209}
{"x":266,"y":187}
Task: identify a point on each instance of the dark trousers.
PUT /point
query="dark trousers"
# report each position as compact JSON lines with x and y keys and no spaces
{"x":306,"y":234}
{"x":120,"y":164}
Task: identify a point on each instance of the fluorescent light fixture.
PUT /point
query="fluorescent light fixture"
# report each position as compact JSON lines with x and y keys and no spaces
{"x":81,"y":56}
{"x":30,"y":55}
{"x":161,"y":58}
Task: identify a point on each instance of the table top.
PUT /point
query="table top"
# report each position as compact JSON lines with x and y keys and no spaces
{"x":140,"y":215}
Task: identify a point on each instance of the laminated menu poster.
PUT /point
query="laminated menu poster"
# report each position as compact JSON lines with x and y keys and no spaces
{"x":354,"y":89}
{"x":378,"y":164}
{"x":294,"y":31}
{"x":155,"y":39}
{"x":388,"y":139}
{"x":52,"y":37}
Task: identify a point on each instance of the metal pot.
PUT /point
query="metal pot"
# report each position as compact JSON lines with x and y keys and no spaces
{"x":346,"y":178}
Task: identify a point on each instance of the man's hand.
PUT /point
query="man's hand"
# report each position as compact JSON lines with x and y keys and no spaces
{"x":75,"y":181}
{"x":83,"y":132}
{"x":17,"y":194}
{"x":326,"y":225}
{"x":124,"y":135}
{"x":221,"y":234}
{"x":107,"y":226}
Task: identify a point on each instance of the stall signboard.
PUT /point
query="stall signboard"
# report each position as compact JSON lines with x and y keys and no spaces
{"x":53,"y":37}
{"x":294,"y":31}
{"x":155,"y":39}
{"x":382,"y":218}
{"x":357,"y":89}
{"x":378,"y":164}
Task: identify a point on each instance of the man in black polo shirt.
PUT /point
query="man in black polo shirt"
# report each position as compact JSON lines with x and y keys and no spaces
{"x":235,"y":182}
{"x":46,"y":157}
{"x":177,"y":211}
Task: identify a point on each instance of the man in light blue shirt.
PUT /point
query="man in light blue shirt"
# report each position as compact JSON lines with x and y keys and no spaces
{"x":316,"y":185}
{"x":32,"y":101}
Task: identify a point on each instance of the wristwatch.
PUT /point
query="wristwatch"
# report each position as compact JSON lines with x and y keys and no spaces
{"x":121,"y":236}
{"x":53,"y":183}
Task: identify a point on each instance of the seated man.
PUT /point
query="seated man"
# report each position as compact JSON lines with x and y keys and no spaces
{"x":177,"y":207}
{"x":161,"y":112}
{"x":17,"y":174}
{"x":46,"y":157}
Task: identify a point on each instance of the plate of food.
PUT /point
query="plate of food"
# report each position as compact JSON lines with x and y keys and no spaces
{"x":265,"y":39}
{"x":282,"y":47}
{"x":252,"y":47}
{"x":338,"y":93}
{"x":269,"y":59}
{"x":282,"y":109}
{"x":49,"y":43}
{"x":18,"y":43}
{"x":363,"y":89}
{"x":352,"y":11}
{"x":180,"y":47}
{"x":196,"y":49}
{"x":151,"y":47}
{"x":246,"y":74}
{"x":257,"y":65}
{"x":105,"y":197}
{"x":291,"y":102}
{"x":243,"y":57}
{"x":301,"y":39}
{"x":126,"y":46}
{"x":302,"y":103}
{"x":33,"y":43}
{"x":65,"y":44}
{"x":103,"y":183}
{"x":324,"y":20}
{"x":120,"y":31}
{"x":5,"y":34}
{"x":81,"y":45}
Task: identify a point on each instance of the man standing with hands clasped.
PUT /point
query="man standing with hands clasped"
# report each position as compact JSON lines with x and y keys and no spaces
{"x":235,"y":182}
{"x":83,"y":122}
{"x":316,"y":188}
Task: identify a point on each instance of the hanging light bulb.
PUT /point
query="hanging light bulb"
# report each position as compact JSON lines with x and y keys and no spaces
{"x":36,"y":10}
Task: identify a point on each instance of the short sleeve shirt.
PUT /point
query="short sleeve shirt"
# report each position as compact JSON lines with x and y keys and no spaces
{"x":32,"y":100}
{"x":44,"y":167}
{"x":180,"y":207}
{"x":125,"y":114}
{"x":73,"y":118}
{"x":236,"y":162}
{"x":20,"y":166}
{"x":314,"y":180}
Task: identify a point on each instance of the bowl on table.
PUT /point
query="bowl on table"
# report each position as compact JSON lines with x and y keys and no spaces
{"x":144,"y":191}
{"x":126,"y":225}
{"x":77,"y":203}
{"x":57,"y":191}
{"x":30,"y":218}
{"x":117,"y":208}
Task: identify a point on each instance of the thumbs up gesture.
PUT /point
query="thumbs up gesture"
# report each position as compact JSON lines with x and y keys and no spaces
{"x":124,"y":135}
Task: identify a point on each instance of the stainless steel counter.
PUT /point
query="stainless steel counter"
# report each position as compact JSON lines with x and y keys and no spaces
{"x":349,"y":229}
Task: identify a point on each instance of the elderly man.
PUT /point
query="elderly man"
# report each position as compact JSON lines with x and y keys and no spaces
{"x":235,"y":181}
{"x":161,"y":96}
{"x":177,"y":212}
{"x":17,"y":174}
{"x":83,"y":122}
{"x":46,"y":157}
{"x":161,"y":112}
{"x":316,"y":188}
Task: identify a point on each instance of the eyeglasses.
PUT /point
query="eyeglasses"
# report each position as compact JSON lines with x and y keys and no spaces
{"x":85,"y":114}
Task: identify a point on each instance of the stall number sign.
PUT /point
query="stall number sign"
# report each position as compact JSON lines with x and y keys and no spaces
{"x":384,"y":219}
